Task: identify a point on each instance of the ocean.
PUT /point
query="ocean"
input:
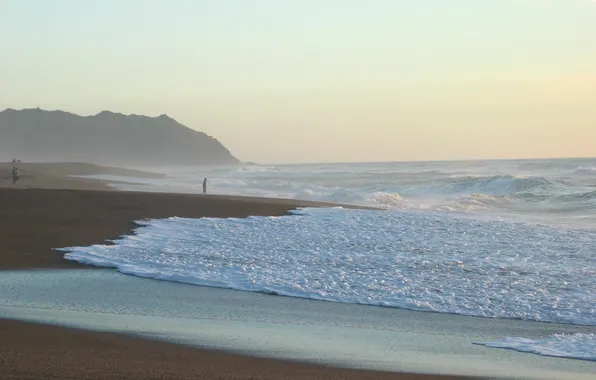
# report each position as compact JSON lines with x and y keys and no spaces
{"x":511,"y":239}
{"x":558,"y":191}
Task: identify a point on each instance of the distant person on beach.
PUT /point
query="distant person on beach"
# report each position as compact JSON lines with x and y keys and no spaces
{"x":205,"y":186}
{"x":15,"y":174}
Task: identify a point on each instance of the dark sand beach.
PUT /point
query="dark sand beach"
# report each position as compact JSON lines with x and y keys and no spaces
{"x":49,"y":209}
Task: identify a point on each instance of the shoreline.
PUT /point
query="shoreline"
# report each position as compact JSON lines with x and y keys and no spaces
{"x":335,"y":334}
{"x":35,"y":221}
{"x":78,"y":353}
{"x":50,"y":210}
{"x":80,"y":212}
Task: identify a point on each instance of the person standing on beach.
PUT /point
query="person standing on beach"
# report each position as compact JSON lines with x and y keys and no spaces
{"x":15,"y":174}
{"x":205,"y":186}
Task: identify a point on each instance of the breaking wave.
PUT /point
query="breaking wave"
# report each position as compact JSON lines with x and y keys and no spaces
{"x":549,"y":190}
{"x":496,"y":185}
{"x":586,"y":170}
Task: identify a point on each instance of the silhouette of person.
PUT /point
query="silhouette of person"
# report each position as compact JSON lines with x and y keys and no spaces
{"x":15,"y":174}
{"x":205,"y":186}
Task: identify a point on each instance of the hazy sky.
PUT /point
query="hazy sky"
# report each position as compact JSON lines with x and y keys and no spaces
{"x":320,"y":80}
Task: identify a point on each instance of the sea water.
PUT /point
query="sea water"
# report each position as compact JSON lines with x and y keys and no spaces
{"x":560,"y":191}
{"x":330,"y":333}
{"x":495,"y":239}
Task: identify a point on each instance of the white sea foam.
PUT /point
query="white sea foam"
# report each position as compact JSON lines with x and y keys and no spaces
{"x":257,"y":169}
{"x":416,"y":260}
{"x":388,"y":199}
{"x":574,"y":346}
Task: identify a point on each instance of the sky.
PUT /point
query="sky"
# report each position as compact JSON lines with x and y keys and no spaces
{"x":280,"y":81}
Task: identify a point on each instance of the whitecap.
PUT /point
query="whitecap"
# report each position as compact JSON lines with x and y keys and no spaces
{"x":571,"y":346}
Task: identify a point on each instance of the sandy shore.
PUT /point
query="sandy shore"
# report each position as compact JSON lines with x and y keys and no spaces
{"x":47,"y":209}
{"x":62,"y":175}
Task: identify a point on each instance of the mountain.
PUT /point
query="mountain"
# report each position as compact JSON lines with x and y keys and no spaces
{"x":105,"y":138}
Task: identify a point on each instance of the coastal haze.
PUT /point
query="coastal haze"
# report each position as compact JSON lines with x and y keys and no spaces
{"x":311,"y":81}
{"x":396,"y":186}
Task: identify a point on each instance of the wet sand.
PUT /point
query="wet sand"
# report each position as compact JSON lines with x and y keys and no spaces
{"x":33,"y":351}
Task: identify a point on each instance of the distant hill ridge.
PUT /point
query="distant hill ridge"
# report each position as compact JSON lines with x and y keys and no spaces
{"x":105,"y":138}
